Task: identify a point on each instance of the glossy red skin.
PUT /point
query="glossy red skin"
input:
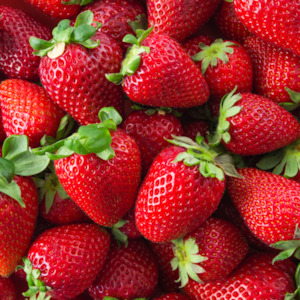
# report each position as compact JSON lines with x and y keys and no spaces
{"x":196,"y":127}
{"x":130,"y":228}
{"x":16,"y":58}
{"x":69,"y":257}
{"x":104,"y":190}
{"x":228,"y":24}
{"x":172,"y":296}
{"x":167,"y":68}
{"x":63,"y":212}
{"x":114,"y":16}
{"x":129,"y":272}
{"x":17,"y":225}
{"x":7,"y":289}
{"x":274,"y":69}
{"x":55,"y":8}
{"x":76,"y":79}
{"x":151,"y":132}
{"x":179,"y":20}
{"x":175,"y":199}
{"x":27,"y":109}
{"x":261,"y":126}
{"x":281,"y":27}
{"x":256,"y":278}
{"x":268,"y":203}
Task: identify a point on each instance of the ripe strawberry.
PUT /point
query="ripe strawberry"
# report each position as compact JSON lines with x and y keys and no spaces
{"x":74,"y":75}
{"x":225,"y":64}
{"x":129,"y":272}
{"x":150,"y":129}
{"x":27,"y":109}
{"x":256,"y":278}
{"x":67,"y":259}
{"x":267,"y":202}
{"x":191,"y":45}
{"x":270,"y":62}
{"x":179,"y":20}
{"x":250,"y":124}
{"x":16,"y":58}
{"x":280,"y":27}
{"x":115,"y":17}
{"x":172,"y":296}
{"x":155,"y":67}
{"x":7,"y":289}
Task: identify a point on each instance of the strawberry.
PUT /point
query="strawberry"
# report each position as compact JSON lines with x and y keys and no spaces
{"x":276,"y":22}
{"x":7,"y":289}
{"x":271,"y":62}
{"x":250,"y":124}
{"x":129,"y":272}
{"x":116,"y":17}
{"x":155,"y":67}
{"x":150,"y":128}
{"x":16,"y":58}
{"x":197,"y":127}
{"x":181,"y":190}
{"x":27,"y":109}
{"x":64,"y":261}
{"x":225,"y":64}
{"x":191,"y":45}
{"x":271,"y":213}
{"x":180,"y":20}
{"x":172,"y":296}
{"x":72,"y":68}
{"x":256,"y":278}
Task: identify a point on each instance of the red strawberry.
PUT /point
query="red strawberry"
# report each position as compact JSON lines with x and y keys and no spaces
{"x":256,"y":278}
{"x":7,"y":289}
{"x":276,"y":22}
{"x":115,"y":17}
{"x":74,"y":75}
{"x":267,"y":202}
{"x":150,"y":129}
{"x":191,"y":46}
{"x":155,"y":67}
{"x":68,"y":258}
{"x":270,"y":62}
{"x":227,"y":22}
{"x":129,"y":272}
{"x":250,"y":124}
{"x":172,"y":296}
{"x":181,"y":19}
{"x":27,"y":109}
{"x":16,"y":58}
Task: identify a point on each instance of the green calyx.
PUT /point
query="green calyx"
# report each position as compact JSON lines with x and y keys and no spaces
{"x":187,"y":260}
{"x":227,"y":110}
{"x":119,"y":236}
{"x":140,"y":22}
{"x":133,"y":57}
{"x":64,"y":34}
{"x":285,"y":161}
{"x":209,"y":55}
{"x":211,"y":163}
{"x":295,"y":100}
{"x":152,"y":110}
{"x":37,"y":289}
{"x":77,"y":2}
{"x":18,"y":159}
{"x":92,"y":138}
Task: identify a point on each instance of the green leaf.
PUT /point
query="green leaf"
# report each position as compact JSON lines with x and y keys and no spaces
{"x":14,"y":145}
{"x":110,"y":113}
{"x":49,"y":199}
{"x":140,"y":22}
{"x":106,"y":154}
{"x":86,"y":17}
{"x":116,"y":78}
{"x":7,"y":169}
{"x":40,"y":44}
{"x":232,"y":111}
{"x":131,"y":39}
{"x":12,"y":190}
{"x":270,"y":160}
{"x":285,"y":254}
{"x":61,"y":153}
{"x":82,"y":33}
{"x":118,"y":234}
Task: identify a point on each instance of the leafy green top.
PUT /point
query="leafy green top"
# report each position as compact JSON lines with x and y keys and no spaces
{"x":295,"y":100}
{"x":119,"y":236}
{"x":64,"y":34}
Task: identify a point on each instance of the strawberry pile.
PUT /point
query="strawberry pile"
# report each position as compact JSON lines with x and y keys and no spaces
{"x":150,"y":150}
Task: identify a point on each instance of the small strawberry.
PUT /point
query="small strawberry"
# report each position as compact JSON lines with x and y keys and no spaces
{"x":276,"y":22}
{"x":155,"y":67}
{"x":73,"y":67}
{"x":16,"y":58}
{"x":270,"y":62}
{"x":64,"y":261}
{"x":267,"y":202}
{"x":180,"y":20}
{"x":129,"y":272}
{"x":7,"y":289}
{"x":28,"y":109}
{"x":250,"y":124}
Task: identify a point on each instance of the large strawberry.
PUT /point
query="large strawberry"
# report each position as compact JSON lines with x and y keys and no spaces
{"x":16,"y":58}
{"x":64,"y":261}
{"x":267,"y":202}
{"x":99,"y":167}
{"x":274,"y":21}
{"x":270,"y":62}
{"x":73,"y":65}
{"x":250,"y":124}
{"x":158,"y":72}
{"x":181,"y":19}
{"x":27,"y":109}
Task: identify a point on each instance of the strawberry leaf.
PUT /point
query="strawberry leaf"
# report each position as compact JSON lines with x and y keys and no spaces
{"x":109,"y":113}
{"x":12,"y":190}
{"x":119,"y":236}
{"x":7,"y":169}
{"x":14,"y":145}
{"x":77,"y":2}
{"x":84,"y":18}
{"x":140,"y":22}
